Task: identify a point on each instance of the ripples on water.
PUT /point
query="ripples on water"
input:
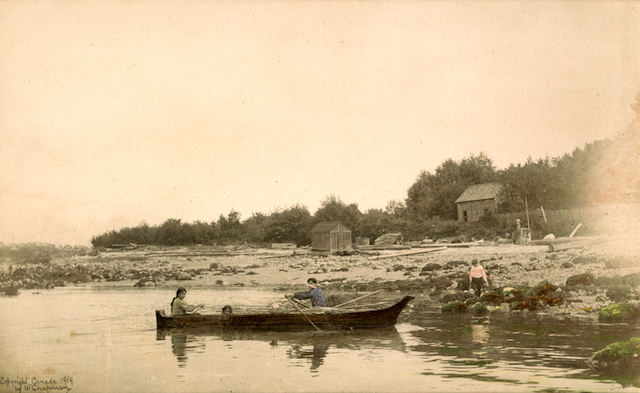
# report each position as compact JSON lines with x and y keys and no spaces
{"x":105,"y":339}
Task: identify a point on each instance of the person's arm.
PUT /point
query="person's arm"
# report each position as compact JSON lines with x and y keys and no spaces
{"x":303,"y":295}
{"x":484,"y":275}
{"x":187,"y":307}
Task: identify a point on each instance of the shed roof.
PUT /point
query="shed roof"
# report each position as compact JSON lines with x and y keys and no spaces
{"x":328,"y":226}
{"x":479,"y":192}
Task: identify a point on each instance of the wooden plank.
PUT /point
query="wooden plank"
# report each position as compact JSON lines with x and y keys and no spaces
{"x":358,"y":298}
{"x":400,"y":254}
{"x":575,"y":230}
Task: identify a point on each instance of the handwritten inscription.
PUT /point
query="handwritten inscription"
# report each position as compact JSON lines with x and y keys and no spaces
{"x":34,"y":384}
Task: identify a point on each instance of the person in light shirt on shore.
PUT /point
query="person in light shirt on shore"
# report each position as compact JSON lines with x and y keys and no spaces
{"x":477,"y":277}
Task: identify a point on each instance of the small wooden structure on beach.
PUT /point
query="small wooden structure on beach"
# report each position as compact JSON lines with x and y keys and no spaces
{"x":331,"y":237}
{"x":478,"y":200}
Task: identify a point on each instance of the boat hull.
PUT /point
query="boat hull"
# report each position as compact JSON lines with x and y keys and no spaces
{"x":325,"y":321}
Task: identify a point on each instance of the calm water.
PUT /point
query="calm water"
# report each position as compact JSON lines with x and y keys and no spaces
{"x":91,"y":339}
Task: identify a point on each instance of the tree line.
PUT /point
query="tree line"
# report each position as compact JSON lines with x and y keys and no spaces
{"x":604,"y":171}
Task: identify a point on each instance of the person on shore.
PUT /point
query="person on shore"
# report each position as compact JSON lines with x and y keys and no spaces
{"x":180,"y":307}
{"x":517,"y":234}
{"x":227,"y":310}
{"x":315,"y":294}
{"x":477,"y":277}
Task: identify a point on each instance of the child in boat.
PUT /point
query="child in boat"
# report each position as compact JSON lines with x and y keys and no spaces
{"x":477,"y":277}
{"x":180,"y":307}
{"x":315,"y":294}
{"x":227,"y":310}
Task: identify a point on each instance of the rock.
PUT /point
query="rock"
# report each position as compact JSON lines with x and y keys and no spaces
{"x":581,"y":280}
{"x":619,"y":312}
{"x":479,"y":308}
{"x":632,"y":280}
{"x":454,"y":306}
{"x":623,"y":356}
{"x":455,"y":296}
{"x":431,"y":267}
{"x":567,"y":265}
{"x":550,"y":236}
{"x":619,"y":293}
{"x":454,"y":264}
{"x":503,"y":308}
{"x":585,"y":259}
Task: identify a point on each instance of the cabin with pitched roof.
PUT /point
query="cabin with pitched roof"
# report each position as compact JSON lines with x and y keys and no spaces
{"x":478,"y":200}
{"x":331,"y":237}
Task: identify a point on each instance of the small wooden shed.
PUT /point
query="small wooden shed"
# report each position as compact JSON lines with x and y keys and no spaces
{"x":477,"y":201}
{"x":331,"y":237}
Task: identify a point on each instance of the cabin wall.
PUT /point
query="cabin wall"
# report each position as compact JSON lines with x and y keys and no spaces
{"x":331,"y":241}
{"x":476,"y":209}
{"x":341,"y":241}
{"x":321,"y":241}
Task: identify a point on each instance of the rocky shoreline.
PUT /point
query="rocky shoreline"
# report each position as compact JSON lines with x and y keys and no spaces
{"x":579,"y":276}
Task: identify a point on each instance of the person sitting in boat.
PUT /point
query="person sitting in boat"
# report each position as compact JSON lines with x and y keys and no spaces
{"x":180,"y":307}
{"x":227,"y":310}
{"x":315,"y":294}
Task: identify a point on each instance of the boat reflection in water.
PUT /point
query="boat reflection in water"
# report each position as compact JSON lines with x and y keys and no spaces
{"x":315,"y":346}
{"x":316,"y":354}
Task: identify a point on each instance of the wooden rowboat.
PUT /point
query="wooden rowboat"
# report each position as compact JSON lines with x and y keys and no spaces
{"x":330,"y":320}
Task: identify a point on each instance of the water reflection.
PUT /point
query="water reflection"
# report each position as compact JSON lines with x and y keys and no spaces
{"x":316,"y":354}
{"x":534,"y":341}
{"x":479,"y":334}
{"x":314,"y":346}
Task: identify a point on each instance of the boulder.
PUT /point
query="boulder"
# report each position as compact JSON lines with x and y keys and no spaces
{"x":619,"y":312}
{"x":455,"y":264}
{"x":581,"y":280}
{"x":623,"y":356}
{"x":478,"y":308}
{"x":431,"y":267}
{"x":454,"y":306}
{"x":503,"y":308}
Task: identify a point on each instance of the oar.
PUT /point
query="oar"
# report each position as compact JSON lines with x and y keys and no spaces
{"x":368,"y":305}
{"x":304,"y":315}
{"x":299,"y":302}
{"x":358,"y":298}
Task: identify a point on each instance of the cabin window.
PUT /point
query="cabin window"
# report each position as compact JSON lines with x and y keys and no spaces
{"x":464,"y":215}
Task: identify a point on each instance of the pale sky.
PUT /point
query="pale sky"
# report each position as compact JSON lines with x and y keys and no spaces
{"x":118,"y":112}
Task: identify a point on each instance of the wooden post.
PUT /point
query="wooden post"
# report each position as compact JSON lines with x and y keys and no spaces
{"x":575,"y":230}
{"x":526,"y":206}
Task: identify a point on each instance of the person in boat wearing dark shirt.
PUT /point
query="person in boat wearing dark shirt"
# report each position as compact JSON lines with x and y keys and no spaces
{"x":315,"y":294}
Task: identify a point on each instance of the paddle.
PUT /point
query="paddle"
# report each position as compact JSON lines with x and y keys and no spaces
{"x":303,"y":314}
{"x":358,"y":298}
{"x":299,"y":302}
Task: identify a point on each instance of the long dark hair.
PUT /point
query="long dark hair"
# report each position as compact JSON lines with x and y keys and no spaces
{"x":181,"y":289}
